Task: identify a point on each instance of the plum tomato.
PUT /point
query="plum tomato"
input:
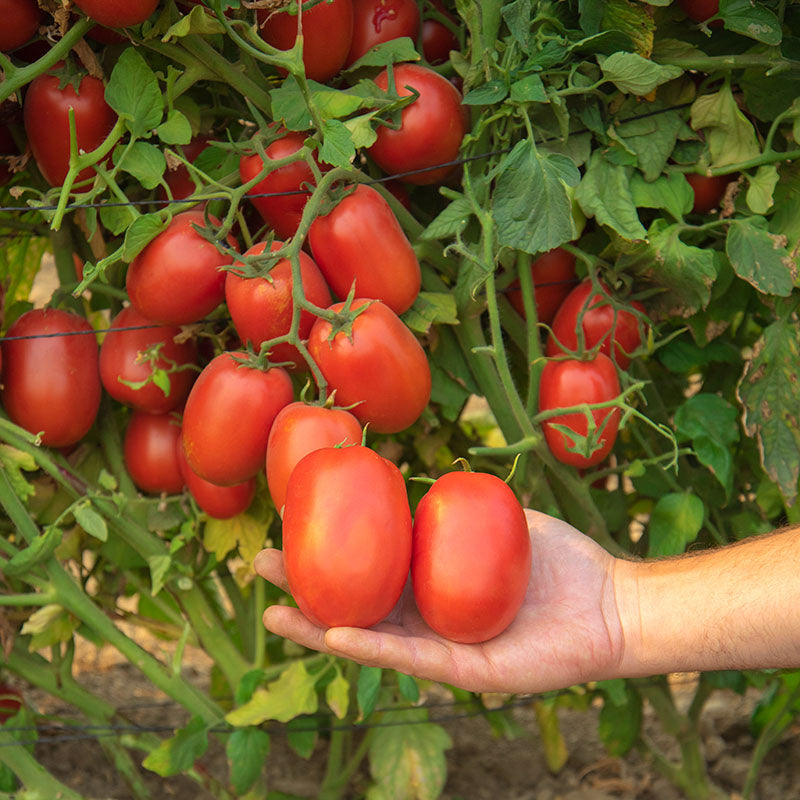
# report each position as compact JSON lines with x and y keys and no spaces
{"x":123,"y":361}
{"x":179,"y":277}
{"x":378,"y":21}
{"x":437,"y":39}
{"x":471,"y":556}
{"x":375,"y":364}
{"x":117,"y":13}
{"x":361,"y":242}
{"x":179,"y":180}
{"x":261,"y":308}
{"x":150,"y":452}
{"x":10,"y":701}
{"x":21,"y":20}
{"x":553,"y":275}
{"x":298,"y":430}
{"x":431,"y":128}
{"x":570,"y":383}
{"x":700,"y":10}
{"x":708,"y":190}
{"x":228,"y":416}
{"x":347,"y":551}
{"x":51,"y":383}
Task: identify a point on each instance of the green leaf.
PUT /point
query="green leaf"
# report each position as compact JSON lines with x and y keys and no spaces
{"x":392,"y":52}
{"x":591,"y":15}
{"x":619,"y":724}
{"x":633,"y":19}
{"x":652,"y":139}
{"x":159,"y":568}
{"x":431,"y":308}
{"x":176,"y":129}
{"x":116,"y":218}
{"x":674,"y":523}
{"x":14,"y":462}
{"x":140,"y":233}
{"x":555,"y":748}
{"x":92,"y":522}
{"x":760,"y":257}
{"x":770,"y":394}
{"x":197,"y":21}
{"x":517,"y":15}
{"x":604,"y":193}
{"x":451,"y":220}
{"x":408,"y":687}
{"x":291,"y":695}
{"x":49,"y":625}
{"x":368,"y":689}
{"x":785,"y":219}
{"x":671,"y":192}
{"x":632,"y":74}
{"x":361,"y":130}
{"x":761,"y":188}
{"x":244,"y":531}
{"x":143,"y":160}
{"x":179,"y":753}
{"x":37,"y":552}
{"x":337,"y":694}
{"x":531,"y":202}
{"x":337,"y":144}
{"x":247,"y":750}
{"x":134,"y":94}
{"x":751,"y":19}
{"x":730,"y":135}
{"x":487,"y":94}
{"x":301,"y":735}
{"x":529,"y":90}
{"x":407,"y":760}
{"x":289,"y":106}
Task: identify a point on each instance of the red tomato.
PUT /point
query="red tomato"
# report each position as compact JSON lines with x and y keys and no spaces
{"x":380,"y":365}
{"x":553,"y":276}
{"x":377,"y":21}
{"x":220,"y":502}
{"x":117,"y":13}
{"x":228,"y":416}
{"x":261,"y":308}
{"x":282,"y":212}
{"x":569,"y":383}
{"x":20,"y":23}
{"x":179,"y":277}
{"x":600,"y":322}
{"x":431,"y":128}
{"x":120,"y":361}
{"x":437,"y":39}
{"x":360,"y":241}
{"x":399,"y":190}
{"x":327,"y":33}
{"x":179,"y":181}
{"x":52,"y":384}
{"x":300,"y":429}
{"x":46,"y":115}
{"x":708,"y":190}
{"x":700,"y":10}
{"x":150,"y":451}
{"x":347,"y":551}
{"x":471,"y":556}
{"x":10,"y":701}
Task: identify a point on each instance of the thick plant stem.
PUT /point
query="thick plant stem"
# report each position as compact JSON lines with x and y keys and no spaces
{"x":31,"y":774}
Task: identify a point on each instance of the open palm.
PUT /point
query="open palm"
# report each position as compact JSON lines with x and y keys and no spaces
{"x":567,"y":632}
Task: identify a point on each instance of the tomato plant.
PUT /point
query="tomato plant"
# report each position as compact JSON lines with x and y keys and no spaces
{"x":298,"y":430}
{"x":471,"y":556}
{"x":375,"y":364}
{"x":146,"y":367}
{"x":572,"y":382}
{"x":150,"y":449}
{"x":588,"y":314}
{"x":228,"y":416}
{"x":361,"y":242}
{"x":431,"y":128}
{"x":376,"y":21}
{"x":553,"y":275}
{"x":117,"y":13}
{"x":51,"y":383}
{"x":20,"y":23}
{"x":347,"y":551}
{"x":327,"y":34}
{"x":179,"y":277}
{"x":46,"y":112}
{"x":261,"y":308}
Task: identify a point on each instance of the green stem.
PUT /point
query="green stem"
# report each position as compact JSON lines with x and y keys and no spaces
{"x":31,"y":774}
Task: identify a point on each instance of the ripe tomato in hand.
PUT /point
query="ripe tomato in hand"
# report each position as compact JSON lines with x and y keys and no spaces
{"x":431,"y":128}
{"x":327,"y":34}
{"x":378,"y":21}
{"x":554,"y":278}
{"x":471,"y":556}
{"x":46,"y":117}
{"x":20,"y":23}
{"x":117,"y":13}
{"x":52,"y":384}
{"x":150,"y":451}
{"x":600,"y":322}
{"x":282,"y":212}
{"x":228,"y":416}
{"x":120,"y":360}
{"x":347,"y":551}
{"x":570,"y":383}
{"x":220,"y":502}
{"x":379,"y":364}
{"x":708,"y":190}
{"x":261,"y":308}
{"x":299,"y":429}
{"x":360,"y":241}
{"x":179,"y":277}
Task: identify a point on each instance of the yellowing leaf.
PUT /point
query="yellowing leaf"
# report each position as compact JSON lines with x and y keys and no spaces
{"x":220,"y":536}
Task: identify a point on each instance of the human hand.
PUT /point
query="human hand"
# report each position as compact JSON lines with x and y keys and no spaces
{"x":567,"y":631}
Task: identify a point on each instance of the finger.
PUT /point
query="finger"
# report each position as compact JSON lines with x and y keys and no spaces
{"x":291,"y":623}
{"x":269,"y":565}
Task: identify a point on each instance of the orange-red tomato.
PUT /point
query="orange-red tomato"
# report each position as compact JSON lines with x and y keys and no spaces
{"x":554,"y":278}
{"x":150,"y":452}
{"x":708,"y":190}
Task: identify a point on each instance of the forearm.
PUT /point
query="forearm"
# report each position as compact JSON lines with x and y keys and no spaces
{"x":735,"y":607}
